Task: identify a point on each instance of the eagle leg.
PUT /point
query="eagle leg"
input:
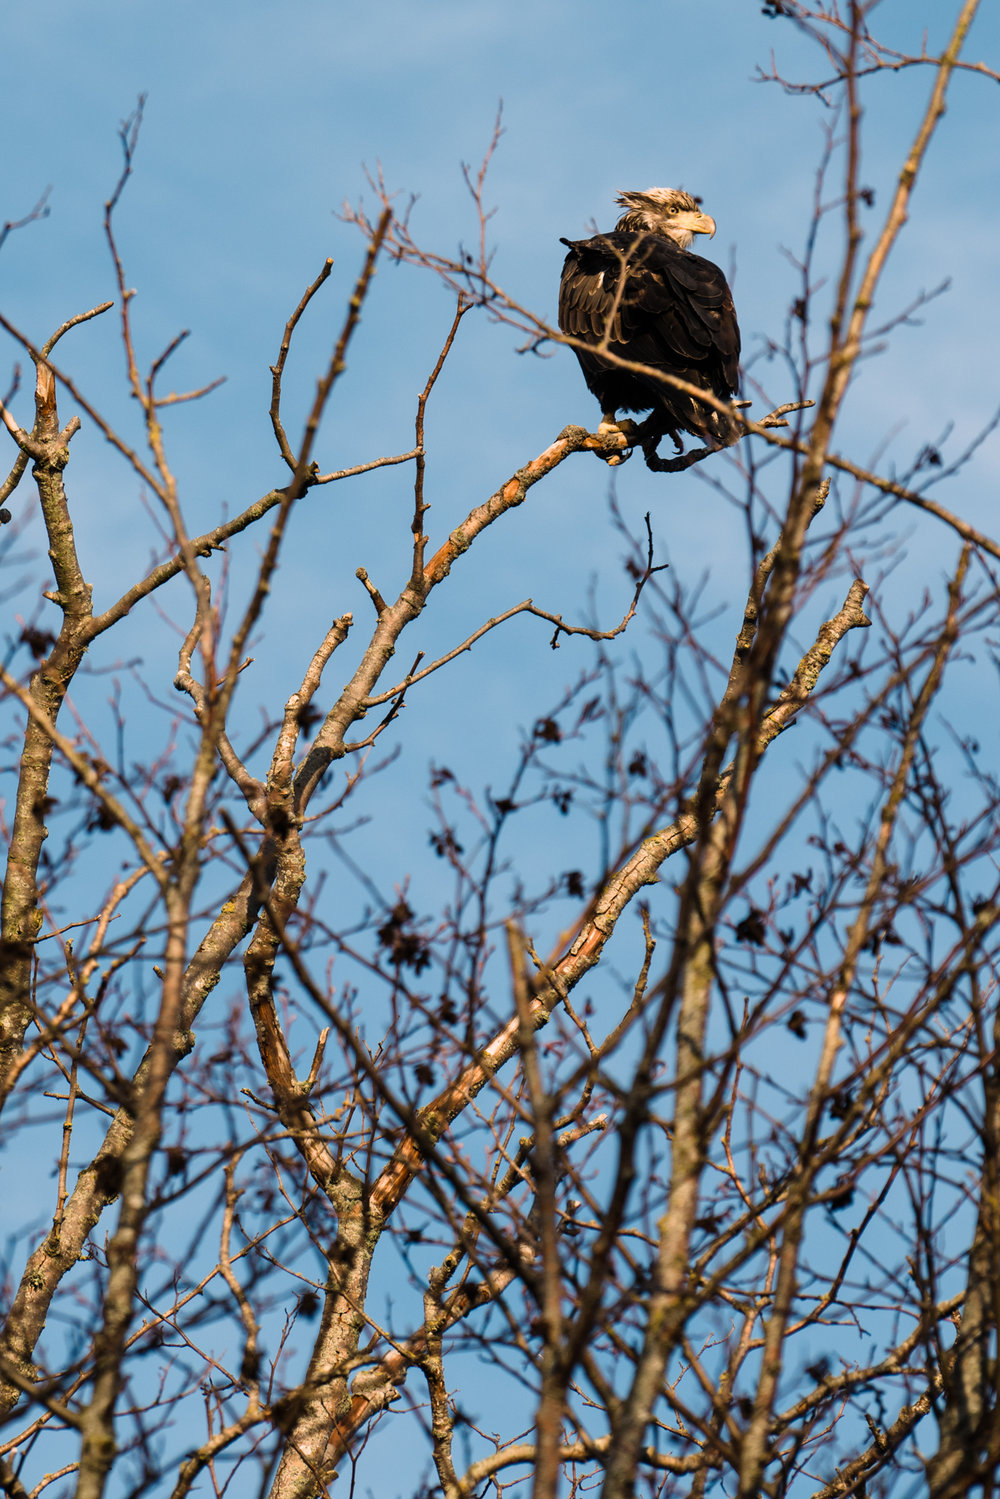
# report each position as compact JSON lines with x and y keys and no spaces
{"x":610,"y":423}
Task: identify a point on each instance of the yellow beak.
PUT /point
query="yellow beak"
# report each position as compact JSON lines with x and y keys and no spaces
{"x":696,"y":223}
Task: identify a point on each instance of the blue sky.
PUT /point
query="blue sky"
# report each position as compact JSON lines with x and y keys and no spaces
{"x":260,"y":121}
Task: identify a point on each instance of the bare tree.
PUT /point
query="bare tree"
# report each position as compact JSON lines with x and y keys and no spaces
{"x":675,"y":1174}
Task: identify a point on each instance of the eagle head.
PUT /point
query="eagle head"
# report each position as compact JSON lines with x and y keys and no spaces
{"x":665,"y":210}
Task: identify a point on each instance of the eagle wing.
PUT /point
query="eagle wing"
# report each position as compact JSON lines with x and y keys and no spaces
{"x":656,"y":304}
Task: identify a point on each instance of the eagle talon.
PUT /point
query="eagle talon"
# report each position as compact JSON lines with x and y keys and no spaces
{"x":607,"y":431}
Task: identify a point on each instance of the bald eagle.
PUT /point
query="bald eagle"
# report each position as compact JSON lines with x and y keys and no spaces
{"x":639,"y":293}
